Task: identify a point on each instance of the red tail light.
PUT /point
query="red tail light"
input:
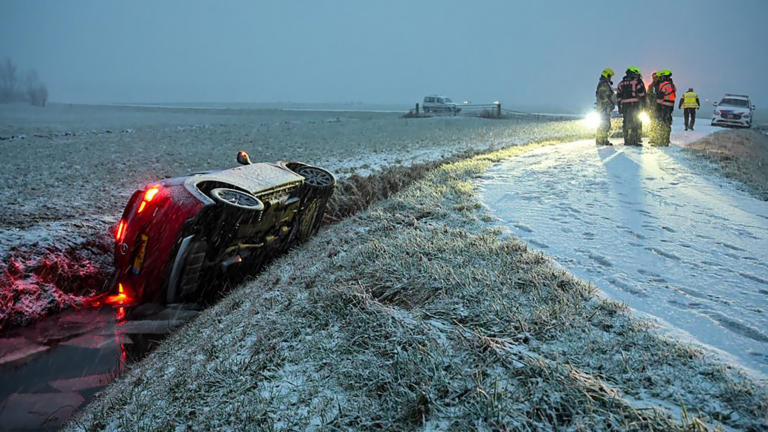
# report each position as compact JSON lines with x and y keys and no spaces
{"x":120,"y":233}
{"x":148,"y":196}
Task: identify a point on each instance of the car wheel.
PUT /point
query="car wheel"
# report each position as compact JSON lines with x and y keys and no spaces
{"x":320,"y":184}
{"x":316,"y":177}
{"x":237,"y":198}
{"x":187,"y":287}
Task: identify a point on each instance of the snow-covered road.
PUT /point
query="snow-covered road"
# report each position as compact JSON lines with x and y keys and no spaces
{"x":648,"y":230}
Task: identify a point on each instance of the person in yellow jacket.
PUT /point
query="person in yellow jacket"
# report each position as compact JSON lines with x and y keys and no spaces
{"x":689,"y":103}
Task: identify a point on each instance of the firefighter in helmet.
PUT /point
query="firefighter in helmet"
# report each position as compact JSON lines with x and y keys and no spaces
{"x":630,"y":95}
{"x":665,"y":105}
{"x":604,"y":104}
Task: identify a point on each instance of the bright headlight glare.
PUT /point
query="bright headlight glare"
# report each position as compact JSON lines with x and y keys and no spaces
{"x":644,"y":118}
{"x":592,"y":120}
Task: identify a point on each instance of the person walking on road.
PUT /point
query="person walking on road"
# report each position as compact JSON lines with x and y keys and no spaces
{"x":630,"y":95}
{"x":665,"y":105}
{"x":604,"y":104}
{"x":689,"y":103}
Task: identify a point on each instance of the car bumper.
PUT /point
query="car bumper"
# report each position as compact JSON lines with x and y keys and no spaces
{"x":719,"y":121}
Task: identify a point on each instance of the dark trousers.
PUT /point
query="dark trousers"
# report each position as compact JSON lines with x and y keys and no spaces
{"x":653,"y":128}
{"x":664,"y":116}
{"x":632,"y":127}
{"x":604,"y":128}
{"x":690,"y":117}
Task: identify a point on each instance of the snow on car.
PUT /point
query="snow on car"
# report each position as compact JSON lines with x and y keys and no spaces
{"x":178,"y":235}
{"x":733,"y":110}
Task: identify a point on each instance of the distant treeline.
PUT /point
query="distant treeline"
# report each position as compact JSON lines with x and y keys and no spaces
{"x":15,"y":87}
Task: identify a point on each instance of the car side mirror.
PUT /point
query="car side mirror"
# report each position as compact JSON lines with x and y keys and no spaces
{"x":754,"y":107}
{"x":714,"y":103}
{"x":242,"y":158}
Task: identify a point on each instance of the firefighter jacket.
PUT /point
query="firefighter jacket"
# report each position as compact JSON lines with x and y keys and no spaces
{"x":653,"y":90}
{"x":690,"y":100}
{"x":604,"y":94}
{"x":631,"y":90}
{"x":667,"y":93}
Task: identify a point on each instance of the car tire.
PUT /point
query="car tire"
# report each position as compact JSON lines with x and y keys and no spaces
{"x":320,"y":184}
{"x":187,"y":287}
{"x":316,"y":178}
{"x":237,"y":198}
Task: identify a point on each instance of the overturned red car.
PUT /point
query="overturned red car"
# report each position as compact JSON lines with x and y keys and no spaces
{"x":179,"y":235}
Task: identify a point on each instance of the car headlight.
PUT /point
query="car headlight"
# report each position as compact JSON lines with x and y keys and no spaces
{"x":747,"y":115}
{"x":592,"y":120}
{"x":717,"y":112}
{"x":645,"y":119}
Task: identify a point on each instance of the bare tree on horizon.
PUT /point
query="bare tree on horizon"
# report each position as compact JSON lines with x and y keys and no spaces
{"x":8,"y":80}
{"x":37,"y":93}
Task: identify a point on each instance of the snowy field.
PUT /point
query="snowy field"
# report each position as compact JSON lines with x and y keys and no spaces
{"x":67,"y":171}
{"x":66,"y":165}
{"x":645,"y":227}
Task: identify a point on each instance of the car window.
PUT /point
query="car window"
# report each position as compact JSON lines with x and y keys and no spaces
{"x":440,"y":100}
{"x":448,"y":100}
{"x":429,"y":99}
{"x":741,"y":103}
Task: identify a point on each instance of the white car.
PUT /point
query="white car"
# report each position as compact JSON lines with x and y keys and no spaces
{"x":733,"y":110}
{"x":438,"y":103}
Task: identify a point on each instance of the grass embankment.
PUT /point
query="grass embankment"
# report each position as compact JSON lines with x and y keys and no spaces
{"x":741,"y":155}
{"x":415,"y":314}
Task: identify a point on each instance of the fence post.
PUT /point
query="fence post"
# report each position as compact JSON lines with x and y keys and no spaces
{"x":498,"y":110}
{"x":417,"y":109}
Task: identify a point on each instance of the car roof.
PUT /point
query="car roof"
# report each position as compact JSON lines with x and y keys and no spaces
{"x":435,"y":95}
{"x":736,"y":96}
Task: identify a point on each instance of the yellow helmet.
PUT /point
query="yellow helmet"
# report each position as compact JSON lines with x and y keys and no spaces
{"x":634,"y":69}
{"x":608,"y":73}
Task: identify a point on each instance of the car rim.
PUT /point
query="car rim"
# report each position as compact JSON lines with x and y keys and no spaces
{"x":238,"y":198}
{"x":315,"y":176}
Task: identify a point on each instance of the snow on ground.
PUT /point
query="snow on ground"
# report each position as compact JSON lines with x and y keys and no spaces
{"x":69,"y":170}
{"x":648,"y":230}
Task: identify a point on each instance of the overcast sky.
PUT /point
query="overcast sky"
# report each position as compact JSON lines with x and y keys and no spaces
{"x":547,"y":53}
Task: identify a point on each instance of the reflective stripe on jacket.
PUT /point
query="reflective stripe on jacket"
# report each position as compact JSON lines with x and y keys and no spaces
{"x":630,"y":90}
{"x":667,"y":94}
{"x":690,"y":100}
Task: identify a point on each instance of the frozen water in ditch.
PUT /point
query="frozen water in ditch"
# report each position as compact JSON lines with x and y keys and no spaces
{"x":688,"y":249}
{"x":52,"y":368}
